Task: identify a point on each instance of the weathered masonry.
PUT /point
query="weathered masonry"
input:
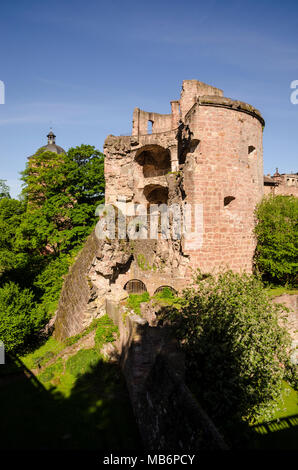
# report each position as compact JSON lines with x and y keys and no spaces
{"x":208,"y":152}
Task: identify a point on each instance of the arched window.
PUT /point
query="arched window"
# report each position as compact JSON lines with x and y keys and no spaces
{"x":156,"y":194}
{"x":150,"y":127}
{"x":135,"y":286}
{"x":228,"y":200}
{"x":164,"y":289}
{"x":154,"y":159}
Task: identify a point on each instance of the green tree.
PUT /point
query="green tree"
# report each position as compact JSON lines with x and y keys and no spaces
{"x":237,"y":350}
{"x":4,"y":189}
{"x":11,"y":214}
{"x":277,"y":235}
{"x":86,"y":179}
{"x":40,"y":235}
{"x":62,"y":193}
{"x":19,"y":318}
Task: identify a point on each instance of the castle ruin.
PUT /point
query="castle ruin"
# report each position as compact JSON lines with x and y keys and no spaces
{"x":206,"y":153}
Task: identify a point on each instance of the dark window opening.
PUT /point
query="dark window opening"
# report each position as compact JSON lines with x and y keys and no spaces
{"x":251,"y":149}
{"x":156,"y":194}
{"x":135,"y":286}
{"x":228,"y":200}
{"x":155,"y":160}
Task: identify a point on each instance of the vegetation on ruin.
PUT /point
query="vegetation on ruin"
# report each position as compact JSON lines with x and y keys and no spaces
{"x":166,"y":297}
{"x":40,"y":236}
{"x":144,"y":264}
{"x":236,"y":346}
{"x":134,"y":301}
{"x":277,"y":236}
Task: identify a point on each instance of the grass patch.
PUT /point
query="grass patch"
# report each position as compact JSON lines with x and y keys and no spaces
{"x":82,"y":361}
{"x":276,"y":291}
{"x":52,"y":371}
{"x":105,"y":332}
{"x":166,"y":297}
{"x":89,"y":411}
{"x":280,"y":433}
{"x":74,"y":339}
{"x":79,"y":403}
{"x":43,"y":354}
{"x":287,"y":404}
{"x":134,"y":301}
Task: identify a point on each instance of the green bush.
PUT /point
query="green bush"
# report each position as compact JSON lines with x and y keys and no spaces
{"x":237,"y":352}
{"x":19,"y":318}
{"x":277,"y":234}
{"x":134,"y":301}
{"x":105,"y":332}
{"x":165,"y":293}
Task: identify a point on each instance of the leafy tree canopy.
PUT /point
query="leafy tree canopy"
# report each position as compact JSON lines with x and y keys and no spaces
{"x":277,"y":235}
{"x":236,"y":346}
{"x":41,"y":234}
{"x":62,"y":193}
{"x":19,"y":318}
{"x":4,"y":190}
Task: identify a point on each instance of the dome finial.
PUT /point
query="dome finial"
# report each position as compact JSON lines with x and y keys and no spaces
{"x":51,"y":137}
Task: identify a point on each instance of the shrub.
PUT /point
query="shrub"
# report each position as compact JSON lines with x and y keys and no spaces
{"x":277,"y":235}
{"x":236,"y":349}
{"x":134,"y":301}
{"x":19,"y":318}
{"x":166,"y":296}
{"x":105,"y":332}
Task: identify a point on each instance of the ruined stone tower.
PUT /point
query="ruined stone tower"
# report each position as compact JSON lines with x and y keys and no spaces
{"x":208,"y":152}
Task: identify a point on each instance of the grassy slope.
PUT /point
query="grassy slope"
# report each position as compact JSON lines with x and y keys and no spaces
{"x":282,"y":431}
{"x":76,"y":402}
{"x":280,"y":290}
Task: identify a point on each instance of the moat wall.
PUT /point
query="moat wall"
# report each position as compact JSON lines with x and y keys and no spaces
{"x":168,"y":415}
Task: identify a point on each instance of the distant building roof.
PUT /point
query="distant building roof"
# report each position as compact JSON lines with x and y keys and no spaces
{"x":268,"y":181}
{"x":52,"y":147}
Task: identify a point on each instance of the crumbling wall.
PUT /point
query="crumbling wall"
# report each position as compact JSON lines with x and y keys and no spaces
{"x":160,"y":122}
{"x":76,"y":292}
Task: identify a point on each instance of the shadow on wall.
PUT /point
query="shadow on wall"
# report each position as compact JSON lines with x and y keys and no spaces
{"x":96,"y":416}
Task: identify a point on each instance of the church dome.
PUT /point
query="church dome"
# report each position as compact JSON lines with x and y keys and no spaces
{"x":52,"y":147}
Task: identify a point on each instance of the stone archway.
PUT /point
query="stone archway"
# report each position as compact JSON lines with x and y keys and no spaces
{"x":155,"y":160}
{"x":135,"y":286}
{"x":160,"y":289}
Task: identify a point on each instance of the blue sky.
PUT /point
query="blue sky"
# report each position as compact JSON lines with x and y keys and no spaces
{"x":81,"y":67}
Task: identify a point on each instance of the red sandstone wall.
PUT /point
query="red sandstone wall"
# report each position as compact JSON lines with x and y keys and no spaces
{"x":281,"y":190}
{"x":220,"y":167}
